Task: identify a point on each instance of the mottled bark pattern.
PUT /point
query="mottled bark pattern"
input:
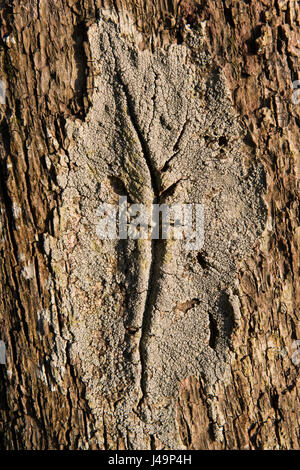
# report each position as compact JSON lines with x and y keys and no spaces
{"x":48,"y":72}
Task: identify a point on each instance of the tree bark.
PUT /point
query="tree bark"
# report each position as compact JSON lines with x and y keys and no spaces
{"x":93,"y":361}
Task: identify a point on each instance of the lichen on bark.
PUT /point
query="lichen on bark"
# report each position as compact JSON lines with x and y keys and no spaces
{"x":198,"y":100}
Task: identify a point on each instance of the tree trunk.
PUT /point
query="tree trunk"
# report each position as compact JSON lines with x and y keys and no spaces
{"x":145,"y":344}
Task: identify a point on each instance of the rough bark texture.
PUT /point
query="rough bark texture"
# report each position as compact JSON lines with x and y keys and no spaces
{"x":49,"y":72}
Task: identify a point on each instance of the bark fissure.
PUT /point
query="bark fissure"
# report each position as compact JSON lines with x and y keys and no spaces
{"x":157,"y":246}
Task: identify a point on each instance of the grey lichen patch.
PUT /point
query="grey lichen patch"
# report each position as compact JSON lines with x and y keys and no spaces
{"x":145,"y":315}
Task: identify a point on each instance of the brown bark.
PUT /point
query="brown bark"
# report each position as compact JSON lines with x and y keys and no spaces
{"x":48,"y":73}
